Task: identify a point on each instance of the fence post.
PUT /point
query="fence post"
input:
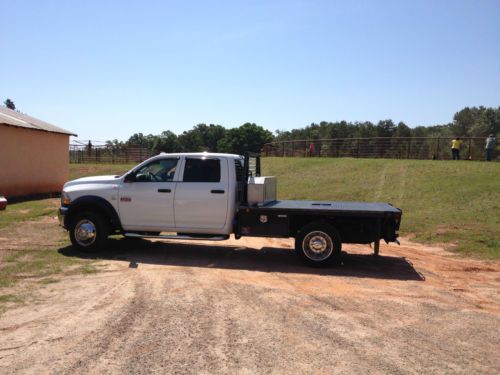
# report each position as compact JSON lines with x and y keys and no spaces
{"x":437,"y":149}
{"x":357,"y":152}
{"x":409,"y":148}
{"x":293,"y":149}
{"x":470,"y":154}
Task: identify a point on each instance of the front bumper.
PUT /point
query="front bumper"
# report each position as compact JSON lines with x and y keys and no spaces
{"x":61,"y":214}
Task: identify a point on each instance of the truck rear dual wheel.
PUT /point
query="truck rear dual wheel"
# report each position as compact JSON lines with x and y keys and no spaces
{"x":88,"y":232}
{"x":318,"y":244}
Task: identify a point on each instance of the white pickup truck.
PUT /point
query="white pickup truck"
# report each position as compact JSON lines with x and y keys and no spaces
{"x":210,"y":196}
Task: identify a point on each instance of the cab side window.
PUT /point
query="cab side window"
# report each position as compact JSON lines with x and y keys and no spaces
{"x":202,"y":170}
{"x":162,"y":170}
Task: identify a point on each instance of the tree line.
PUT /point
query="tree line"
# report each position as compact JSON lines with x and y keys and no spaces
{"x":468,"y":122}
{"x":202,"y":137}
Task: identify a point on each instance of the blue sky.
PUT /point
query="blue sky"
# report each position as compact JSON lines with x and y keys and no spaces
{"x":108,"y":69}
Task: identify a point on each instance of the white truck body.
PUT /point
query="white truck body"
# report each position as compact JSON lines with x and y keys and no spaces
{"x":168,"y":206}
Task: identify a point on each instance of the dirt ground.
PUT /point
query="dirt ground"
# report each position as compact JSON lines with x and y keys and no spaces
{"x":250,"y":307}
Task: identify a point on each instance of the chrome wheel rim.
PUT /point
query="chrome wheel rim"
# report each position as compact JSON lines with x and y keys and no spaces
{"x":85,"y":233}
{"x":317,"y":245}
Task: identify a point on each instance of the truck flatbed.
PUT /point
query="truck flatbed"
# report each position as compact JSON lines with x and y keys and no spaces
{"x":356,"y":222}
{"x":349,"y":208}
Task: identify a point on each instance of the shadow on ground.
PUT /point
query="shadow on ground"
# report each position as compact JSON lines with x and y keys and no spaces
{"x":267,"y":259}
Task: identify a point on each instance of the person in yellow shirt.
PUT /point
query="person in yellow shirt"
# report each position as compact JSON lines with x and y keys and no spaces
{"x":455,"y":148}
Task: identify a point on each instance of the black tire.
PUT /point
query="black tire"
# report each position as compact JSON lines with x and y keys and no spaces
{"x":329,"y":244}
{"x":88,"y":232}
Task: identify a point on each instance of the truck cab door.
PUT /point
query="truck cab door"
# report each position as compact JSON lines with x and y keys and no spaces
{"x":146,"y":198}
{"x":201,"y":196}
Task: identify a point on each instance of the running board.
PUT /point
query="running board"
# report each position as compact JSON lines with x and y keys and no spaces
{"x":177,"y":237}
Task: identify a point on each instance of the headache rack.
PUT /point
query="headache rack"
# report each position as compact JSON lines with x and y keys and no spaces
{"x":251,"y":168}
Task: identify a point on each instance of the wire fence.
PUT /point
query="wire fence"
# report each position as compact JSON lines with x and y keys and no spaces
{"x":102,"y":154}
{"x":472,"y":148}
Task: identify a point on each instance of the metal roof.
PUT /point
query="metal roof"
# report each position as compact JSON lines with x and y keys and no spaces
{"x":18,"y":119}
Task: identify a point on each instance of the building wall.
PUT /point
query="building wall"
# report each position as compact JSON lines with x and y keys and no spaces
{"x":32,"y":161}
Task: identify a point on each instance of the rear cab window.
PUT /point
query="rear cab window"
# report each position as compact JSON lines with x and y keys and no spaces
{"x":202,"y":170}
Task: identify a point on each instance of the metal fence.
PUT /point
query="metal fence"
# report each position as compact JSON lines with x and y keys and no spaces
{"x":101,"y":154}
{"x":472,"y":148}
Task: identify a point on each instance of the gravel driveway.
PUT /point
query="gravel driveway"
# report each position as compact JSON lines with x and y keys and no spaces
{"x":250,"y":307}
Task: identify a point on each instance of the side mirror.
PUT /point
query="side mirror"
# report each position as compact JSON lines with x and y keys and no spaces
{"x":130,"y":177}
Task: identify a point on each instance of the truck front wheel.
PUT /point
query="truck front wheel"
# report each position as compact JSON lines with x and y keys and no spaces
{"x":88,"y":232}
{"x":318,"y":244}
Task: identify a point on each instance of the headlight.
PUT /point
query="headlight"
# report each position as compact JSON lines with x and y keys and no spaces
{"x":65,"y":199}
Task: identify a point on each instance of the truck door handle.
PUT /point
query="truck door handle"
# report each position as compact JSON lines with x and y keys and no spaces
{"x":164,"y":190}
{"x":217,"y":191}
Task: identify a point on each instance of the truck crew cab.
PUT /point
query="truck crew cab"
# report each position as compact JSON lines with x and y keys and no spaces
{"x":210,"y":196}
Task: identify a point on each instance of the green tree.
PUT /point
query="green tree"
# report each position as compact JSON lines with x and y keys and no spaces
{"x":463,"y":121}
{"x":486,"y":121}
{"x":203,"y":137}
{"x":386,"y":128}
{"x":476,"y":122}
{"x":167,"y":141}
{"x":365,"y":130}
{"x":9,"y":104}
{"x":247,"y":137}
{"x":212,"y":135}
{"x":191,"y":141}
{"x":89,"y":148}
{"x":141,"y":140}
{"x":115,"y":145}
{"x":402,"y":130}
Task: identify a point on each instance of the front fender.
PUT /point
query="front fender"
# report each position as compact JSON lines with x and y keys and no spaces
{"x":93,"y":204}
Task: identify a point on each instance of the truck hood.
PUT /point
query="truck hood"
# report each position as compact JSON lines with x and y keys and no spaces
{"x":93,"y":180}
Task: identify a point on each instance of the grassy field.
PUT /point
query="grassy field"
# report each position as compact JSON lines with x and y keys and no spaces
{"x":26,"y":211}
{"x":42,"y":265}
{"x":453,"y":202}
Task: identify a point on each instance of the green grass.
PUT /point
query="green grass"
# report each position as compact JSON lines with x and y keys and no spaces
{"x":27,"y":211}
{"x":442,"y":201}
{"x":83,"y":170}
{"x":5,"y":298}
{"x":36,"y":264}
{"x":43,"y":267}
